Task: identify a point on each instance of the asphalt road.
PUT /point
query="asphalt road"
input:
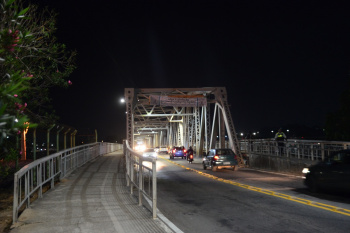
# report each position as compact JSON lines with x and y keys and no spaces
{"x":198,"y":200}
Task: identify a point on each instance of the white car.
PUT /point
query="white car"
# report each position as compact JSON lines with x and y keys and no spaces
{"x":163,"y":150}
{"x":150,"y":153}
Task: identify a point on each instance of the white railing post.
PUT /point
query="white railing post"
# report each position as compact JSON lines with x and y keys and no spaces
{"x":15,"y":199}
{"x":154,"y":188}
{"x":140,"y":180}
{"x":132,"y":174}
{"x":322,"y":151}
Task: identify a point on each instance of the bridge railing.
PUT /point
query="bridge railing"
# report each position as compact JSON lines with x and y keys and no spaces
{"x":293,"y":148}
{"x":30,"y":179}
{"x":141,"y":174}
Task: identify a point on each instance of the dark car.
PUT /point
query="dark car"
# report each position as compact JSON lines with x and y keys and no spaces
{"x":178,"y":151}
{"x":219,"y":159}
{"x":332,"y":174}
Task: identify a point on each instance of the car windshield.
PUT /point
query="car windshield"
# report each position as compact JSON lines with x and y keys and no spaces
{"x":224,"y":152}
{"x":178,"y":148}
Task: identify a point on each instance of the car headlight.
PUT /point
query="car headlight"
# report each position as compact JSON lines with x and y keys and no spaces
{"x":306,"y":170}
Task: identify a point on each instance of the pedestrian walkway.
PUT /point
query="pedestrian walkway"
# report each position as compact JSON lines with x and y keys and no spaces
{"x":93,"y":199}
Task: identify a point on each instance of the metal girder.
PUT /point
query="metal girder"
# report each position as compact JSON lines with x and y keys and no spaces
{"x":165,"y":115}
{"x":180,"y":121}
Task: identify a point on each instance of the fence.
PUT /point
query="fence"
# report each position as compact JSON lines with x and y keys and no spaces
{"x":141,"y":173}
{"x":301,"y":149}
{"x":31,"y":178}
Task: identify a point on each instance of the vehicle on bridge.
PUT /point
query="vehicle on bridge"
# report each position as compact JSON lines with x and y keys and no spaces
{"x":178,"y":151}
{"x":220,"y":159}
{"x":162,"y":150}
{"x":150,"y":153}
{"x":332,"y":174}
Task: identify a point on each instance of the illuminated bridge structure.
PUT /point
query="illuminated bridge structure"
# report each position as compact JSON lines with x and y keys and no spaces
{"x":196,"y":117}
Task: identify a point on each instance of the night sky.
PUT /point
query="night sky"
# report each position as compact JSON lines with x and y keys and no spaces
{"x":282,"y":62}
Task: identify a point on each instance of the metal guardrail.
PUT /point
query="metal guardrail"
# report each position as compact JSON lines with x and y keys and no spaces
{"x":302,"y":149}
{"x":32,"y":177}
{"x":141,"y":173}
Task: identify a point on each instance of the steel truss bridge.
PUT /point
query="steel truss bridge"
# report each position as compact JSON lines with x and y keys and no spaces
{"x":197,"y":117}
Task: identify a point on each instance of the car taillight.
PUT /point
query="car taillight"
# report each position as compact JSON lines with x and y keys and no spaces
{"x":216,"y":157}
{"x":174,"y":151}
{"x":235,"y":156}
{"x":184,"y":151}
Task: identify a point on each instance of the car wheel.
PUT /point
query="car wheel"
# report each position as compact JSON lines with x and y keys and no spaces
{"x":204,"y":167}
{"x":214,"y":168}
{"x":313,"y":184}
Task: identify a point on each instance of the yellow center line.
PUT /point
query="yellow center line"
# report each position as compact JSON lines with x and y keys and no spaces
{"x":269,"y":192}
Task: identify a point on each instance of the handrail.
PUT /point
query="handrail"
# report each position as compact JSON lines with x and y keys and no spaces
{"x":314,"y":150}
{"x":32,"y":177}
{"x":138,"y":174}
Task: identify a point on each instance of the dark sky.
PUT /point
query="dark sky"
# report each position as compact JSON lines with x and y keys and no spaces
{"x":282,"y":62}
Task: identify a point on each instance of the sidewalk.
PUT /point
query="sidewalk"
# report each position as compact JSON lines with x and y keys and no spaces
{"x":93,"y":199}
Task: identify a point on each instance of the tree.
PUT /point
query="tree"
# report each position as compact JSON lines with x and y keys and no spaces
{"x":38,"y":54}
{"x":31,"y":62}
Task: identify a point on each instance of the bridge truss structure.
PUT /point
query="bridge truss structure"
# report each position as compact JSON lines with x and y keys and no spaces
{"x":197,"y":117}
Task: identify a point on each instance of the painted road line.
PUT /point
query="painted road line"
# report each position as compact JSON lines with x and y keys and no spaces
{"x":319,"y":205}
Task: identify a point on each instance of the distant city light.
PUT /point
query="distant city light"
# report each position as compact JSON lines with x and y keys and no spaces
{"x":122,"y":100}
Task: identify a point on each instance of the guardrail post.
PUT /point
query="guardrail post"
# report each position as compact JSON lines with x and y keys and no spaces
{"x":26,"y":188}
{"x":52,"y":172}
{"x":40,"y":181}
{"x":15,"y":199}
{"x":140,"y":180}
{"x":154,"y":188}
{"x":132,"y":173}
{"x":322,"y":151}
{"x":127,"y":161}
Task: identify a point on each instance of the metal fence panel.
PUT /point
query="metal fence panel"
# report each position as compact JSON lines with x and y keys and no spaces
{"x":141,"y":173}
{"x":32,"y":177}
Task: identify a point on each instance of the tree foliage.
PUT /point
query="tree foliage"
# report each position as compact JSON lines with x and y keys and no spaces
{"x":31,"y":62}
{"x":37,"y":54}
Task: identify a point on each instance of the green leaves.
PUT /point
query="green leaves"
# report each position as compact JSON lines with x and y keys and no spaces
{"x":9,"y":2}
{"x":21,"y":14}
